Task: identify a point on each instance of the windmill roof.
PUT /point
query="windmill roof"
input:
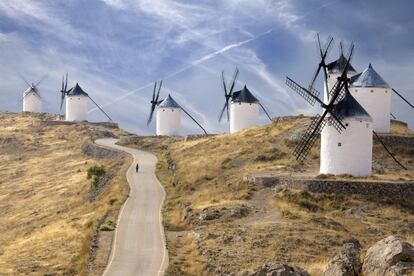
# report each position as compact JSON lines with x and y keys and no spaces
{"x":349,"y":107}
{"x":369,"y":78}
{"x":339,"y":64}
{"x":77,"y":91}
{"x":169,"y":102}
{"x":244,"y":96}
{"x":32,"y":89}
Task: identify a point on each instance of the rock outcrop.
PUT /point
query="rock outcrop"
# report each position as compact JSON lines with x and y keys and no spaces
{"x":346,"y":262}
{"x":278,"y":269}
{"x":390,"y":256}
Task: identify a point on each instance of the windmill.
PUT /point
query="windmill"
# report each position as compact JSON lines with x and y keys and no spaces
{"x":345,"y":126}
{"x":168,"y":114}
{"x":32,"y":100}
{"x":76,"y":102}
{"x":244,"y":106}
{"x":374,"y":94}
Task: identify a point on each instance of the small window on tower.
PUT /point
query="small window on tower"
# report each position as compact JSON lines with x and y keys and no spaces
{"x":346,"y":124}
{"x":356,"y":90}
{"x":367,"y":125}
{"x":172,"y":110}
{"x":339,"y":144}
{"x":372,"y":91}
{"x":386,"y":91}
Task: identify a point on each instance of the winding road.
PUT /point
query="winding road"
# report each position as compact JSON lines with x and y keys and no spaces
{"x":139,"y":243}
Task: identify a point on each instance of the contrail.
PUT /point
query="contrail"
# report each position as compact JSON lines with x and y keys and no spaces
{"x":192,"y":64}
{"x":210,"y":56}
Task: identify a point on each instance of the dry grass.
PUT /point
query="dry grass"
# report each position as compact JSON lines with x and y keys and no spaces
{"x":288,"y":226}
{"x":46,"y":217}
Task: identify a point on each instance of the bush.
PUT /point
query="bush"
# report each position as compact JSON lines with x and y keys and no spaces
{"x":95,"y":173}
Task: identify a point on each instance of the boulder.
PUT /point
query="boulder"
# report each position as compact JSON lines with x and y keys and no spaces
{"x":207,"y":214}
{"x":346,"y":262}
{"x":389,"y":256}
{"x":279,"y":269}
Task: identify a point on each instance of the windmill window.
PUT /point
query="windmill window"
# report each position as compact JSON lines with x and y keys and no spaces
{"x":367,"y":125}
{"x":386,"y":91}
{"x":346,"y":124}
{"x":372,"y":90}
{"x":356,"y":90}
{"x":339,"y":144}
{"x":172,"y":110}
{"x":163,"y":110}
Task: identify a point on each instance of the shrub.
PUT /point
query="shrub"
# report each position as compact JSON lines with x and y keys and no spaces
{"x":95,"y":173}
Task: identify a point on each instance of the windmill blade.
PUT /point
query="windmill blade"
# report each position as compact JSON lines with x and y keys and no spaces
{"x":315,"y":76}
{"x":42,"y":79}
{"x":341,"y":92}
{"x":309,"y":95}
{"x":267,"y":114}
{"x":341,"y":47}
{"x":322,"y":64}
{"x":335,"y":121}
{"x":150,"y":115}
{"x":21,"y":76}
{"x":66,"y":82}
{"x":158,"y":93}
{"x":309,"y":137}
{"x":235,"y":76}
{"x":222,"y":111}
{"x":388,"y":151}
{"x":191,"y":117}
{"x":100,"y":108}
{"x":392,"y":115}
{"x":401,"y":96}
{"x":62,"y":99}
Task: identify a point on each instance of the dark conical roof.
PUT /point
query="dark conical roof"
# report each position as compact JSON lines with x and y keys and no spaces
{"x":244,"y":96}
{"x":77,"y":91}
{"x":169,"y":102}
{"x":349,"y":107}
{"x":32,"y":89}
{"x":369,"y":78}
{"x":338,"y":65}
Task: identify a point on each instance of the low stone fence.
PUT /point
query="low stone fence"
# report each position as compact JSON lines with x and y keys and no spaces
{"x":61,"y":122}
{"x":346,"y":187}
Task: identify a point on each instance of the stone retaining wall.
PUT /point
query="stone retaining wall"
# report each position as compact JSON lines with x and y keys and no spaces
{"x":346,"y":187}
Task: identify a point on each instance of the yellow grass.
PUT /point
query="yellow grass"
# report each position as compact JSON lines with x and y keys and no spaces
{"x":209,"y":174}
{"x":46,"y":217}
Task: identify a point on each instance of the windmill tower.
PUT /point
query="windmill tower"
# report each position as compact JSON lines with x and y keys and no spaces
{"x":349,"y":151}
{"x":168,"y":117}
{"x":32,"y":101}
{"x":168,"y":114}
{"x":76,"y":102}
{"x":346,"y":139}
{"x":374,"y":94}
{"x":244,"y":106}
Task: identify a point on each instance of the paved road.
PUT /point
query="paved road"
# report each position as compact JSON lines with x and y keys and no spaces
{"x":139,"y":243}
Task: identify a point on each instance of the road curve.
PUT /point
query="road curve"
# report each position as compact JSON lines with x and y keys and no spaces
{"x":138,"y":246}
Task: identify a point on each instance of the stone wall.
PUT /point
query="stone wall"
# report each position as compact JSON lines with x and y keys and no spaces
{"x":346,"y":187}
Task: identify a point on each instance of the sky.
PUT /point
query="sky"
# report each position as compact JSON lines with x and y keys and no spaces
{"x":116,"y":49}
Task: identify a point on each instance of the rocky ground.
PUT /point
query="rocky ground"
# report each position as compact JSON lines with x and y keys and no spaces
{"x":218,"y":222}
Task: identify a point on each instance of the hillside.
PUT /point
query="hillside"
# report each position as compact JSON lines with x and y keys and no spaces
{"x":49,"y":210}
{"x":218,"y":223}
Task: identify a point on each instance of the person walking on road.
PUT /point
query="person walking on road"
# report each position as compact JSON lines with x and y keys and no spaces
{"x":137,"y":168}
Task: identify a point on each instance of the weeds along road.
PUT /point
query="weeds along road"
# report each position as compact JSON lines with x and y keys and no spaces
{"x":139,"y":243}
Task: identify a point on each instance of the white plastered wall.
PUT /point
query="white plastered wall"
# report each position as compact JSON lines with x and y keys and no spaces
{"x":32,"y":102}
{"x":349,"y":152}
{"x":243,"y":115}
{"x":377,"y":102}
{"x":168,"y":121}
{"x":76,"y":108}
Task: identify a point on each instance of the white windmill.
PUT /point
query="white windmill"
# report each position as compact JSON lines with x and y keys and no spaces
{"x":374,"y":94}
{"x":76,"y":102}
{"x":168,"y":114}
{"x":32,"y":101}
{"x":345,"y":126}
{"x":244,"y":106}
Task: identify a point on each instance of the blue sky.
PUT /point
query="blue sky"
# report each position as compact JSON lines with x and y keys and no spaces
{"x":116,"y":49}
